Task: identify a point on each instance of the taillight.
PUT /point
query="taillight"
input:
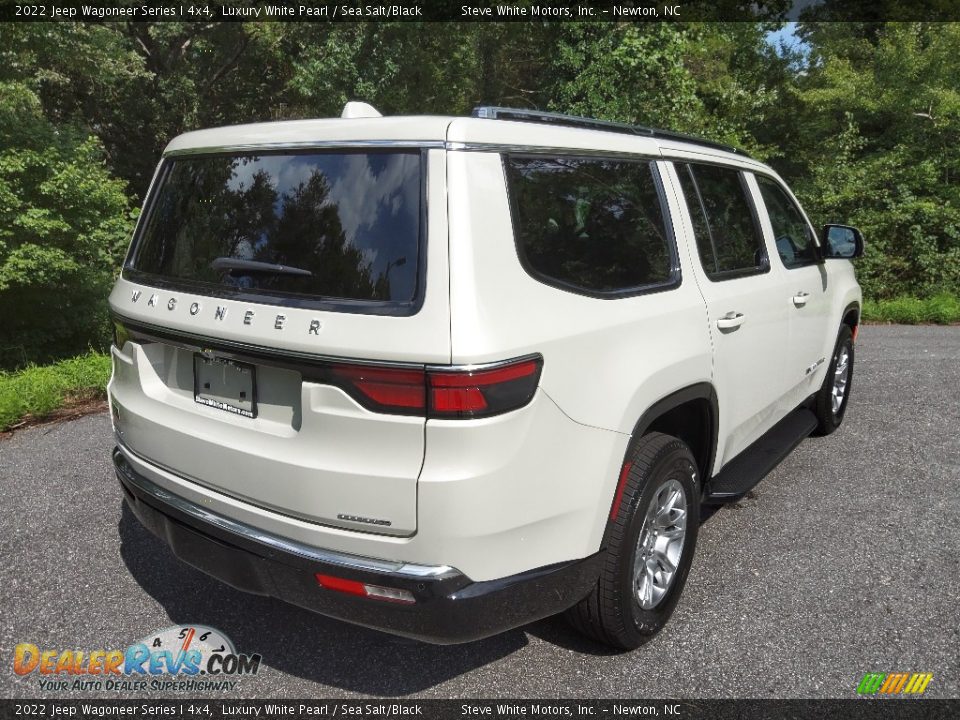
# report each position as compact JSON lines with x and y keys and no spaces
{"x":481,"y":392}
{"x":396,"y":390}
{"x":441,"y":392}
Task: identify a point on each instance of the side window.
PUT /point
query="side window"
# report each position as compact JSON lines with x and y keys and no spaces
{"x":728,"y":238}
{"x":791,"y":232}
{"x":590,"y":225}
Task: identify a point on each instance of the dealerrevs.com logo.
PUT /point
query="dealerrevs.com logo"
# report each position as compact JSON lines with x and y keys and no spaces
{"x":186,"y":658}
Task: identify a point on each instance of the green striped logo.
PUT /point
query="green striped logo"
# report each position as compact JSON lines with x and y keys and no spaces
{"x":894,"y":683}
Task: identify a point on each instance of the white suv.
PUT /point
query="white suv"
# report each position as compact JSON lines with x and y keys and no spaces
{"x":443,"y":376}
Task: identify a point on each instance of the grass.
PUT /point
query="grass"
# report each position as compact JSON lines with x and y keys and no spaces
{"x":940,"y":309}
{"x":37,"y":391}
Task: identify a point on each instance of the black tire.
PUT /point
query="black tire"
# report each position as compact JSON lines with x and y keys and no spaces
{"x":612,"y":612}
{"x":829,"y":420}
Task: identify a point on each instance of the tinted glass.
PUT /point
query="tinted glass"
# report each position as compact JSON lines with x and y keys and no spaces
{"x":791,"y":232}
{"x":589,"y":224}
{"x":350,"y":221}
{"x":728,"y":239}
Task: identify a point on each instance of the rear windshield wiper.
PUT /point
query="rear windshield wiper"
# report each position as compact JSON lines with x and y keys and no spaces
{"x":226,"y":264}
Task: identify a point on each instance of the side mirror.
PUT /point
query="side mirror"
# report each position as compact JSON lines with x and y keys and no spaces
{"x":841,"y":241}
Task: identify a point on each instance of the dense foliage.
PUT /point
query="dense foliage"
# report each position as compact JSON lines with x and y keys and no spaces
{"x":862,"y":120}
{"x":877,"y":131}
{"x":64,"y":224}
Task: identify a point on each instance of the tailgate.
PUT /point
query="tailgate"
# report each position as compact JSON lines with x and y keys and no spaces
{"x":249,"y":279}
{"x":311,"y":451}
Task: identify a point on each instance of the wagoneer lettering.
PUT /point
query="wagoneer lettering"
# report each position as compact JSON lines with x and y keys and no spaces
{"x":445,"y":376}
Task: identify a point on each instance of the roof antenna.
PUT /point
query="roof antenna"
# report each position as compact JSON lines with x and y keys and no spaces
{"x":355,"y":109}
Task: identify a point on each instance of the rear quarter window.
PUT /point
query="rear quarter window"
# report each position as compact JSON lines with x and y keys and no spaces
{"x":346,"y":226}
{"x":591,"y":226}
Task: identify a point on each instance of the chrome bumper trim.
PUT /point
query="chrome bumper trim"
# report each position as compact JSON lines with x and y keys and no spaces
{"x":276,"y":542}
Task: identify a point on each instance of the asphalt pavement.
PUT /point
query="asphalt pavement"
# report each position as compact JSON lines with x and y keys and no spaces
{"x":844,"y":560}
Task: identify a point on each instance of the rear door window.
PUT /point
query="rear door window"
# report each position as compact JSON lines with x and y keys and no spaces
{"x":343,"y":229}
{"x":728,"y":235}
{"x":590,"y":225}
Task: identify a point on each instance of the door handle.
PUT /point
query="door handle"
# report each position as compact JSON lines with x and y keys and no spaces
{"x":731,"y":320}
{"x":800,"y":299}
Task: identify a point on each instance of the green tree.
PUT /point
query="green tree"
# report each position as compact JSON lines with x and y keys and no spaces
{"x":718,"y":80}
{"x":879,"y":123}
{"x":137,"y":85}
{"x":64,"y":225}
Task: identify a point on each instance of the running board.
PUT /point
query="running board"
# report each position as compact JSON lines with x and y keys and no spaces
{"x":748,"y":468}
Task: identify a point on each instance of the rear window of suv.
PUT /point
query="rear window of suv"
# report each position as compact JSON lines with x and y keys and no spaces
{"x":346,"y":227}
{"x":591,"y":225}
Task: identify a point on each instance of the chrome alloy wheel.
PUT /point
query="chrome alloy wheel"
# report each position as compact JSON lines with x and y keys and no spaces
{"x":841,"y":376}
{"x":660,"y":544}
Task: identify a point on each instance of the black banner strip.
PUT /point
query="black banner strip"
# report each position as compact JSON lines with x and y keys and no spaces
{"x":872,"y":708}
{"x":483,"y":11}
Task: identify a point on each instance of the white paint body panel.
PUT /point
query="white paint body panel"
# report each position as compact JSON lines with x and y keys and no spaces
{"x":605,"y":360}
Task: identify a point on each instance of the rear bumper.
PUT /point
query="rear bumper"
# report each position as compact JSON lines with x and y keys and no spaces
{"x":448,"y":608}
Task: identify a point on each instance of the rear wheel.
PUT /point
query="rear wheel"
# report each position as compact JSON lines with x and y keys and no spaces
{"x":650,"y":543}
{"x":831,"y":400}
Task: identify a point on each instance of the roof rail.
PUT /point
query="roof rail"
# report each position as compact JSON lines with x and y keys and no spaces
{"x":504,"y":113}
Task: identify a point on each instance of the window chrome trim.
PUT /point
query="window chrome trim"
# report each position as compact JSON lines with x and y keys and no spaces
{"x":305,"y":145}
{"x":734,"y":162}
{"x":506,"y":148}
{"x":263,"y":537}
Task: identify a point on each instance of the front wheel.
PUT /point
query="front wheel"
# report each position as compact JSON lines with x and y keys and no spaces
{"x":650,"y":543}
{"x":831,"y":400}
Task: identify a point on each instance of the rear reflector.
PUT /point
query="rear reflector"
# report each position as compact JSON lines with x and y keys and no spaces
{"x":621,"y":484}
{"x":355,"y":587}
{"x":441,"y":392}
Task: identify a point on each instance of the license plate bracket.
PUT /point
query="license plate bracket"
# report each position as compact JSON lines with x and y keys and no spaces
{"x":225,"y":384}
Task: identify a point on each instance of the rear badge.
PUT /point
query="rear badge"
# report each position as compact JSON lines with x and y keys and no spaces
{"x":813,"y":367}
{"x":368,"y":521}
{"x":313,"y":327}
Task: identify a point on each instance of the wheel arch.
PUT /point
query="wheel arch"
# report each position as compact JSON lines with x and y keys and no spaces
{"x":851,"y":318}
{"x":691,"y":414}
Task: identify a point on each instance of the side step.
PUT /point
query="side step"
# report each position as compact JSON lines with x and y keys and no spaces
{"x":753,"y":464}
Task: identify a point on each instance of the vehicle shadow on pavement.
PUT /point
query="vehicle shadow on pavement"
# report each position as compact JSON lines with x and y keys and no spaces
{"x":295,"y":641}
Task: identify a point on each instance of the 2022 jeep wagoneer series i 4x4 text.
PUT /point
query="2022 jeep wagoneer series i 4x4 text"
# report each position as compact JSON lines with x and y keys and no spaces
{"x":443,"y":376}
